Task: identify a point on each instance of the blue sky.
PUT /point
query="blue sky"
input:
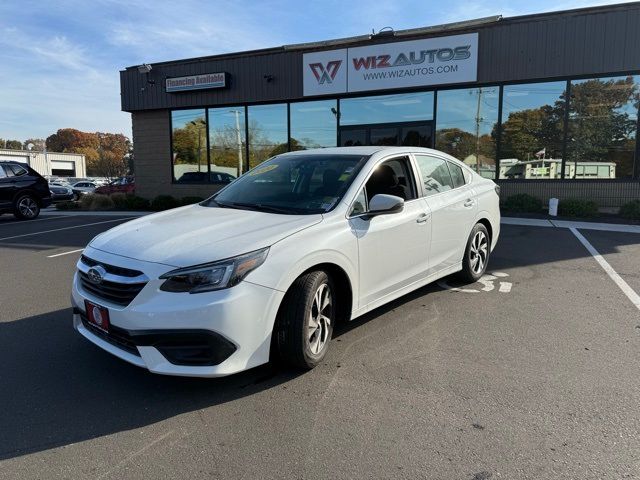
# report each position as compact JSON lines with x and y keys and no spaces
{"x":59,"y":59}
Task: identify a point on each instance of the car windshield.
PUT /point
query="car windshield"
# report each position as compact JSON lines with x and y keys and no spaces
{"x":292,"y":184}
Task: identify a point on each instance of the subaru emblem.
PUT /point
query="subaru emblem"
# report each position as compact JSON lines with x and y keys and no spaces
{"x":96,"y":274}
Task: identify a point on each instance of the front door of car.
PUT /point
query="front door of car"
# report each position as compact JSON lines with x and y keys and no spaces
{"x":393,"y":249}
{"x":453,"y":207}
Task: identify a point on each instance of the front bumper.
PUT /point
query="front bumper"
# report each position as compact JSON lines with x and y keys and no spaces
{"x":205,"y":335}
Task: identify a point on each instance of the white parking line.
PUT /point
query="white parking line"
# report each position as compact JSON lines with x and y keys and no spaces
{"x":624,"y":286}
{"x":65,"y":253}
{"x":17,"y":222}
{"x":64,"y":228}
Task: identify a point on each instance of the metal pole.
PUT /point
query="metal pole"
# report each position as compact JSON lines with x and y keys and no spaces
{"x":239,"y":140}
{"x":478,"y":132}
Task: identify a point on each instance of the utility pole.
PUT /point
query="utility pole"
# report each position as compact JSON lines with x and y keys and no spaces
{"x":238,"y":140}
{"x":478,"y":120}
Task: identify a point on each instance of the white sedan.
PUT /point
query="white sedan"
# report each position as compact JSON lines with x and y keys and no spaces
{"x":269,"y":264}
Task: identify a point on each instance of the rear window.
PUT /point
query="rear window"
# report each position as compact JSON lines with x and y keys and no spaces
{"x":2,"y":174}
{"x":17,"y":170}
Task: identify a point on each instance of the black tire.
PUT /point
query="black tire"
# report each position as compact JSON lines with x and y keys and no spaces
{"x":294,"y":334}
{"x":26,"y":207}
{"x":478,"y":247}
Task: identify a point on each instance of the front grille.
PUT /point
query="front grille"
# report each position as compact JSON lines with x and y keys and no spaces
{"x":116,"y":336}
{"x":123,"y":272}
{"x":114,"y":292}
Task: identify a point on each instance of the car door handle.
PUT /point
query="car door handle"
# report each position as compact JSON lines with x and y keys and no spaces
{"x":469,"y":203}
{"x":423,"y":218}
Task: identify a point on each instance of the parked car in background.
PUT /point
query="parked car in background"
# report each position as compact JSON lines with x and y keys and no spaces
{"x":82,"y":188}
{"x":200,"y":177}
{"x":265,"y":267}
{"x":60,"y":192}
{"x":23,"y":191}
{"x":120,"y":185}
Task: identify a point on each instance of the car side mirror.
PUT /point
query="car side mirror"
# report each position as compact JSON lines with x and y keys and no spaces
{"x":382,"y":204}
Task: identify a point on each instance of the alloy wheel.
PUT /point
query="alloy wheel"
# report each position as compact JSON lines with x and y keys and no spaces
{"x":27,"y":207}
{"x":478,"y":252}
{"x":320,"y":318}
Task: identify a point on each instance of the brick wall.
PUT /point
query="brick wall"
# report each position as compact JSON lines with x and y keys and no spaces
{"x":151,"y":149}
{"x":606,"y":194}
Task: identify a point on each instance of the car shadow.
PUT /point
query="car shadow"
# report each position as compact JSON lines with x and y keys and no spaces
{"x":58,"y":389}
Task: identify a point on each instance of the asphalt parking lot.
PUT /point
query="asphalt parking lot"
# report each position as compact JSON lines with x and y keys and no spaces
{"x":533,"y":373}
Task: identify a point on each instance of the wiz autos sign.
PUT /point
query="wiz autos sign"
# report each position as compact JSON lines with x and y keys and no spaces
{"x":416,"y":63}
{"x":196,"y":82}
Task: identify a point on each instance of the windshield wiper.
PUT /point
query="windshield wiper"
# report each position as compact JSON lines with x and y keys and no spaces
{"x":258,"y":207}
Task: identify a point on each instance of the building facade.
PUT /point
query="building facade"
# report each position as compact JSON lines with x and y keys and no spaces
{"x":536,"y":102}
{"x":49,"y":163}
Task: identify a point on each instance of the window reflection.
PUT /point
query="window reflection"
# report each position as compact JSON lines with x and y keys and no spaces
{"x":313,"y":124}
{"x":267,"y":132}
{"x":466,"y":126}
{"x":603,"y":116}
{"x":532,"y":130}
{"x":189,"y":141}
{"x":406,"y":107}
{"x":227,"y":140}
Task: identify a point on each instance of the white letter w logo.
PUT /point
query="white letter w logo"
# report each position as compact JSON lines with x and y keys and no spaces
{"x":325,"y":74}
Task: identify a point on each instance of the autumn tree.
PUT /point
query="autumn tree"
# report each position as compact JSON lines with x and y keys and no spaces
{"x":105,"y":153}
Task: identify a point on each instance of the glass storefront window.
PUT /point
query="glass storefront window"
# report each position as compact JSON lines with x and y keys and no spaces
{"x":267,"y":132}
{"x":466,"y":126}
{"x":313,"y":124}
{"x":189,"y":143}
{"x":532,"y":130}
{"x":227,"y":142}
{"x":603,"y":116}
{"x":405,"y":107}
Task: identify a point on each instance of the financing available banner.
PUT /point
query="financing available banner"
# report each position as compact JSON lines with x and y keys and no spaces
{"x":415,"y":63}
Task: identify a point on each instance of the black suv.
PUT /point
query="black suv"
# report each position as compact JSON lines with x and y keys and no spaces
{"x":23,"y":191}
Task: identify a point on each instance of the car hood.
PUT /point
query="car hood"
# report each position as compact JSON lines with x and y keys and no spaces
{"x":195,"y":234}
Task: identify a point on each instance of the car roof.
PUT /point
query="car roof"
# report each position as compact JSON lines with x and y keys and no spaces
{"x":369,"y":150}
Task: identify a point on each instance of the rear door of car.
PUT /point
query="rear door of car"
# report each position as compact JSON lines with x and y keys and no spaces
{"x":453,"y":207}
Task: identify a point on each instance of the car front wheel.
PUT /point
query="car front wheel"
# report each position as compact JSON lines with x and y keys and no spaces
{"x":305,"y":321}
{"x":476,"y":255}
{"x":26,"y":207}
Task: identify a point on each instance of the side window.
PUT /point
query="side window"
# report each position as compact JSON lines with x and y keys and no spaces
{"x":435,"y":175}
{"x":456,"y":175}
{"x":392,"y":177}
{"x":360,"y":204}
{"x":2,"y":174}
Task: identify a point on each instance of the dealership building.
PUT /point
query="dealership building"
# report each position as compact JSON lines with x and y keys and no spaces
{"x":545,"y":104}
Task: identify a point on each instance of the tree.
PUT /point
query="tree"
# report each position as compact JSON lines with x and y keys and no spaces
{"x":105,"y":153}
{"x":599,"y":126}
{"x":13,"y":145}
{"x":526,"y":132}
{"x":38,"y":144}
{"x":70,"y":140}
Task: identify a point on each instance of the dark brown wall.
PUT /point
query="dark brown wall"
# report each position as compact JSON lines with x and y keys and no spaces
{"x":574,"y":43}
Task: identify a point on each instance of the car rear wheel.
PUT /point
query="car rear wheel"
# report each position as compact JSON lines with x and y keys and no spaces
{"x":476,"y":255}
{"x":26,"y":207}
{"x":305,"y":321}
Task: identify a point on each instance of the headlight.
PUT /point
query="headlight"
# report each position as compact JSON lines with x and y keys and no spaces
{"x":213,"y":276}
